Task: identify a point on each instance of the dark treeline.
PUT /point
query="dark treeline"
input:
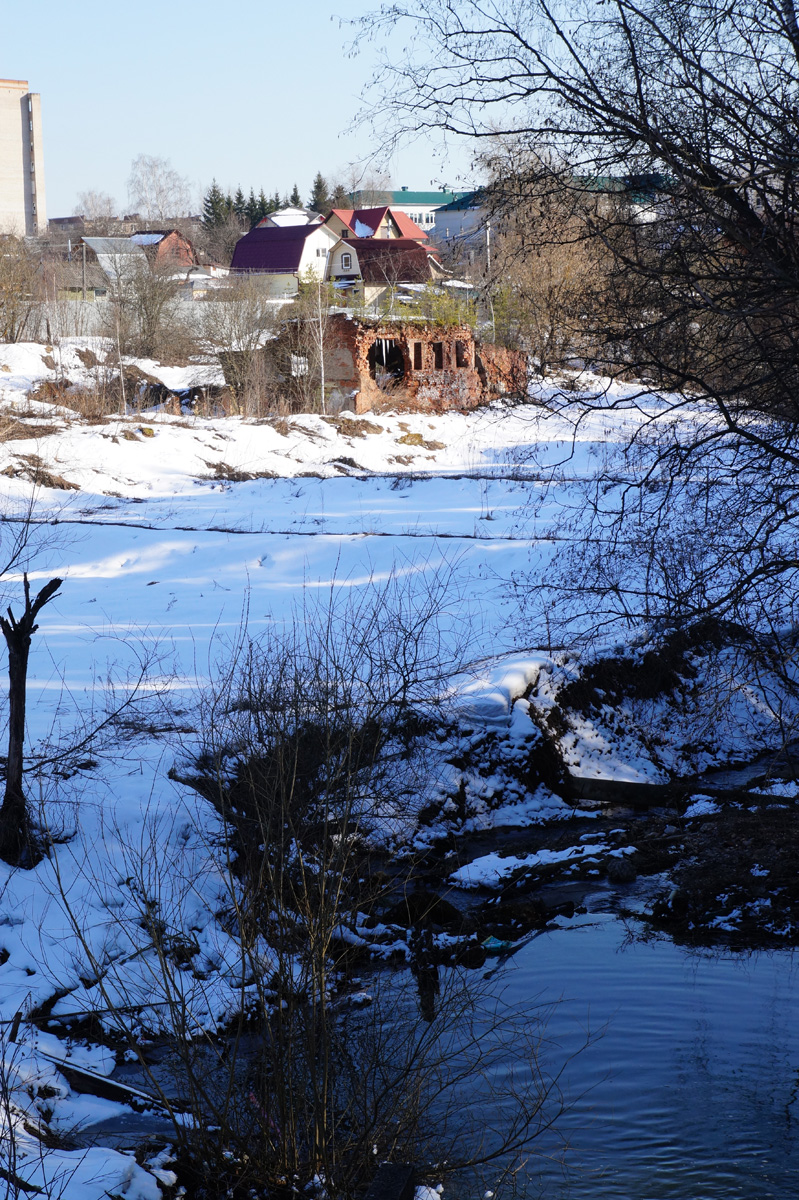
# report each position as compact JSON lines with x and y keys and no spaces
{"x":219,"y":206}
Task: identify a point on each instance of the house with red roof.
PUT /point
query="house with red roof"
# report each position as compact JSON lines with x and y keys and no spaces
{"x":383,"y":222}
{"x":280,"y":256}
{"x":374,"y":266}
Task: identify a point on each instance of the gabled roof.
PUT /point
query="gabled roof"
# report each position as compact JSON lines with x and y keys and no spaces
{"x":112,"y":245}
{"x":272,"y":248}
{"x":361,"y":219}
{"x":283,"y":217}
{"x":119,"y":257}
{"x":393,"y":260}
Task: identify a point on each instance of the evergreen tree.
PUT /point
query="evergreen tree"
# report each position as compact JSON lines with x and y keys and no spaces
{"x":228,"y":204}
{"x":214,"y":206}
{"x":295,"y":199}
{"x":264,"y":206}
{"x":320,"y":197}
{"x":251,"y":210}
{"x":277,"y":202}
{"x":341,"y":197}
{"x":240,"y":204}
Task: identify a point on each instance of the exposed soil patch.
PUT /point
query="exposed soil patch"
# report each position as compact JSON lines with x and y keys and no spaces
{"x":735,"y":878}
{"x":229,"y":474}
{"x":37,"y":473}
{"x":353,"y":427}
{"x":416,"y":439}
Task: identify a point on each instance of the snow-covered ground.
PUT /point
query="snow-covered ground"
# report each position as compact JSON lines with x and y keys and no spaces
{"x":166,"y":550}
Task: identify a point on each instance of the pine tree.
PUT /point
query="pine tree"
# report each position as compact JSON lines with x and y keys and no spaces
{"x":277,"y":202}
{"x":251,"y":210}
{"x":320,"y":197}
{"x":239,"y":203}
{"x":264,"y":206}
{"x":341,"y":197}
{"x":214,"y":207}
{"x":295,"y":199}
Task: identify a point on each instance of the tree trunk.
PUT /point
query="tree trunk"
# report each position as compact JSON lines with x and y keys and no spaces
{"x":16,"y":842}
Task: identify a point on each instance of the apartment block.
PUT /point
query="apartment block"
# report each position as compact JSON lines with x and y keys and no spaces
{"x":23,"y":209}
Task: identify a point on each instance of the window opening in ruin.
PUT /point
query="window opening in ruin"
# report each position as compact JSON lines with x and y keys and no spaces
{"x":462,"y":356}
{"x":385,"y":360}
{"x":438,"y":356}
{"x":417,"y":356}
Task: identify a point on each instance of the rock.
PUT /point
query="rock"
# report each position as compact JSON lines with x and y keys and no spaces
{"x":620,"y":870}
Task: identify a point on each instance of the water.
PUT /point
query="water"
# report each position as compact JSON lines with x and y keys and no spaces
{"x":691,"y":1091}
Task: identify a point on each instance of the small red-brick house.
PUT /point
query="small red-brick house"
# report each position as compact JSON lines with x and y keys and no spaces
{"x":166,"y":246}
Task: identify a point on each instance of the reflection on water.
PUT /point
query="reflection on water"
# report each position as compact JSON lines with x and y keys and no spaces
{"x":691,"y":1091}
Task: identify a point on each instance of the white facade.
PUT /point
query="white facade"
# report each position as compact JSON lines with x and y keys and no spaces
{"x":313,"y":263}
{"x":23,"y":209}
{"x":316,"y":251}
{"x":464,"y":221}
{"x":422,"y":207}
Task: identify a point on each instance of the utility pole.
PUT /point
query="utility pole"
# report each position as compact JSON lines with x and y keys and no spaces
{"x":83,"y":244}
{"x":321,"y":345}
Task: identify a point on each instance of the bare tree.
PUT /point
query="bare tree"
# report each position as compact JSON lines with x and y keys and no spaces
{"x":15,"y":826}
{"x":144,"y":315}
{"x":20,"y":290}
{"x":217,"y":242}
{"x":156,"y":190}
{"x":97,"y":208}
{"x":363,"y":184}
{"x":699,"y":96}
{"x":237,"y":325}
{"x":682,"y":114}
{"x":311,"y":742}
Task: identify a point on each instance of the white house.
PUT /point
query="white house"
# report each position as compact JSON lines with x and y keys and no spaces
{"x":281,"y":256}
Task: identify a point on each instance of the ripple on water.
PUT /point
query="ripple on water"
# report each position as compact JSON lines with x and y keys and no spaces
{"x":690,"y":1093}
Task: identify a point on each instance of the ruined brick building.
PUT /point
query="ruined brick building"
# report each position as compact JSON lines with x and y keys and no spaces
{"x":372,"y":364}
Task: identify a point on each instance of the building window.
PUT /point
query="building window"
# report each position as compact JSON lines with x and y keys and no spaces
{"x":346,"y":262}
{"x":417,"y":356}
{"x":438,"y":356}
{"x":462,"y":356}
{"x":321,"y":252}
{"x":345,"y":233}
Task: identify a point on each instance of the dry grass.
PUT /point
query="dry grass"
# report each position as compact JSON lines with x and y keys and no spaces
{"x":12,"y":430}
{"x":34,"y":470}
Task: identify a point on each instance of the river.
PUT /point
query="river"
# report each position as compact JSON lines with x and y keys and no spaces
{"x":690,"y":1093}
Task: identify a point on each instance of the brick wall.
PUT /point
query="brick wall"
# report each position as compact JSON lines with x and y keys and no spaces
{"x":419,"y":365}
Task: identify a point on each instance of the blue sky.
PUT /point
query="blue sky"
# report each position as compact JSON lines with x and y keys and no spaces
{"x":259,"y":94}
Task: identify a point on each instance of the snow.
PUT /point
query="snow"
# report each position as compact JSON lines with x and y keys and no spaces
{"x":164,"y":557}
{"x":702,"y":806}
{"x":491,"y":869}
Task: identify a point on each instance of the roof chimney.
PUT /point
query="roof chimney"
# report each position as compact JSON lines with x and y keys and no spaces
{"x":403,"y":189}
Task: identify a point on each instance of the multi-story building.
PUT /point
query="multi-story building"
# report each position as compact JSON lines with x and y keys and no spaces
{"x":421,"y":207}
{"x":23,"y":210}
